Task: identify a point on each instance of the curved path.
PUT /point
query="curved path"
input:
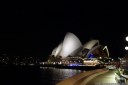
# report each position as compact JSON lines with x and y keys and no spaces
{"x":104,"y":79}
{"x":82,"y":78}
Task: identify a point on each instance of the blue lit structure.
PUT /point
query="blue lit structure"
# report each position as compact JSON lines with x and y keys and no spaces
{"x":91,"y":56}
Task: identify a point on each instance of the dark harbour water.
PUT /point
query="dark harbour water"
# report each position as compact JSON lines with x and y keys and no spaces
{"x":20,"y":75}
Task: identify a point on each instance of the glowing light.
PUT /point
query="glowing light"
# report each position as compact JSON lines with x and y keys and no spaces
{"x":54,"y":63}
{"x":100,"y":57}
{"x":126,"y":48}
{"x":74,"y":64}
{"x":91,"y":62}
{"x":127,"y":38}
{"x":60,"y":63}
{"x":91,"y":56}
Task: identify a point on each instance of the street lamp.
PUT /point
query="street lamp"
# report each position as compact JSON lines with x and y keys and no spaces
{"x":126,"y":47}
{"x":127,"y":38}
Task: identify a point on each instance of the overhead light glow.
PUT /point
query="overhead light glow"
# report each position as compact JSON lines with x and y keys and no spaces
{"x":126,"y":48}
{"x":127,"y":38}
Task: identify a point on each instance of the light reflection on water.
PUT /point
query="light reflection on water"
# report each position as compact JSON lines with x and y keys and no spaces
{"x":25,"y":75}
{"x":55,"y":75}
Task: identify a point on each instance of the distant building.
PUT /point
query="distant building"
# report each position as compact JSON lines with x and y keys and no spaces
{"x":72,"y":49}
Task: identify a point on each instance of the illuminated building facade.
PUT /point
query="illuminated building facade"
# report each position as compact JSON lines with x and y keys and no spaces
{"x":72,"y":51}
{"x":70,"y":46}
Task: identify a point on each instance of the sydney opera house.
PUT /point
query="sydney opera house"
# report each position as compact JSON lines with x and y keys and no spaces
{"x":72,"y":51}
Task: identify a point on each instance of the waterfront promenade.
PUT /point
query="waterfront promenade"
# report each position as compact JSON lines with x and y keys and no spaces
{"x":82,"y":78}
{"x":103,"y":79}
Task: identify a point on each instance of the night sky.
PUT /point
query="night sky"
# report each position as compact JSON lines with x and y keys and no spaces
{"x":36,"y":29}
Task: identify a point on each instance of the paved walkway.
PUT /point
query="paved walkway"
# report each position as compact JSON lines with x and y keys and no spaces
{"x":104,"y":79}
{"x":79,"y":78}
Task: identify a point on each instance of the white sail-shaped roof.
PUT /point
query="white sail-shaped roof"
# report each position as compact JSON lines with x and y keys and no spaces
{"x":70,"y":44}
{"x":90,"y":44}
{"x":54,"y":51}
{"x":58,"y":50}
